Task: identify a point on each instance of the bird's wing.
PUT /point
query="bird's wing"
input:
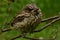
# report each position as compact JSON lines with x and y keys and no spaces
{"x":19,"y":18}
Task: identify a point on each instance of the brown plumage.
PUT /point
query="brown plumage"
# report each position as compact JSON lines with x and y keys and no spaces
{"x":27,"y":19}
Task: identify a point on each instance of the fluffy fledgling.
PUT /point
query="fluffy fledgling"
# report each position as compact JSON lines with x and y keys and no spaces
{"x":27,"y":19}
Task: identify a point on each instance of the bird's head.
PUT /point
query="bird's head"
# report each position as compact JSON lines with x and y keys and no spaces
{"x":32,"y":8}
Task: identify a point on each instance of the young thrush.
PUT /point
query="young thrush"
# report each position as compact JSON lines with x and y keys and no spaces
{"x":27,"y":19}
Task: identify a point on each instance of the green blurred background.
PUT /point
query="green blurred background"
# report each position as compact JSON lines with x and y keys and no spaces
{"x":48,"y":7}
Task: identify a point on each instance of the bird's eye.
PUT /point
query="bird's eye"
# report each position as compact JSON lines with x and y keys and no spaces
{"x":30,"y":9}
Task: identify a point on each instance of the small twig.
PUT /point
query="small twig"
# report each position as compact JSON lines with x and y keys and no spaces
{"x":51,"y":18}
{"x":5,"y":30}
{"x":6,"y":19}
{"x":46,"y":25}
{"x":5,"y":22}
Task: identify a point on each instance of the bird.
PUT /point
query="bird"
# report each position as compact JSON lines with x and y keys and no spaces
{"x":27,"y":19}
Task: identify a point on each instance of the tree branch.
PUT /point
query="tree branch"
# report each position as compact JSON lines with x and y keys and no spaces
{"x":44,"y":27}
{"x":51,"y":18}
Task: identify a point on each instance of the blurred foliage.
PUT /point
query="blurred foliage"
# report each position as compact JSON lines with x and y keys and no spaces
{"x":48,"y":7}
